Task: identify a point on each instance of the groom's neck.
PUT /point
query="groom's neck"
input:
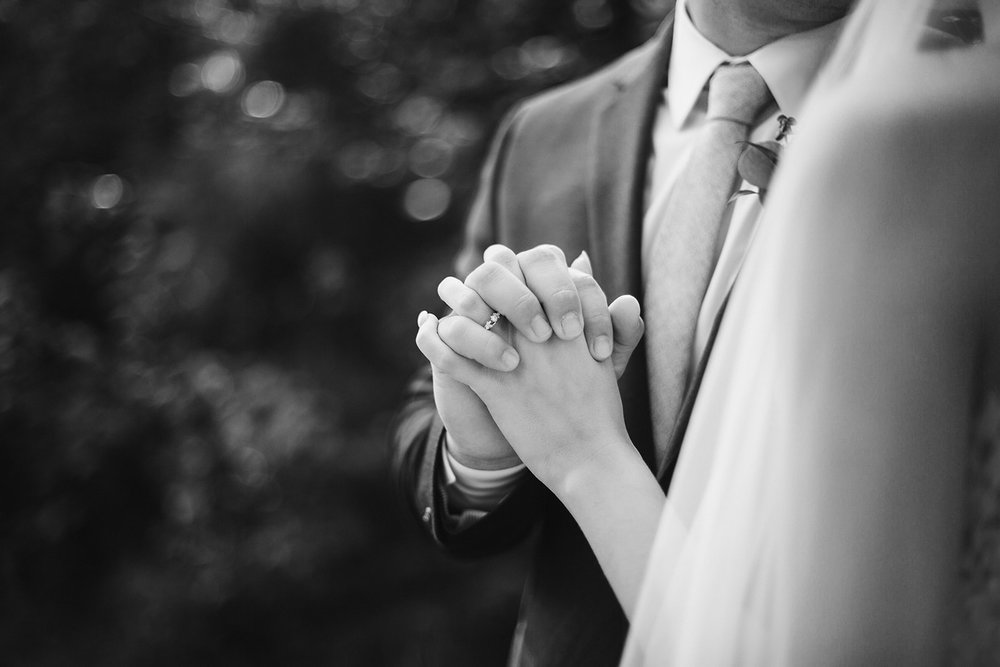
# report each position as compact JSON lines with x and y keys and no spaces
{"x":739,"y":27}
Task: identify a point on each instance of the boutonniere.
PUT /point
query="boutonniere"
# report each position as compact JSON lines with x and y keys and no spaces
{"x":757,"y":162}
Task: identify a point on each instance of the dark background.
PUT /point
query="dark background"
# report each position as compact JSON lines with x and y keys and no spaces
{"x":219,"y":221}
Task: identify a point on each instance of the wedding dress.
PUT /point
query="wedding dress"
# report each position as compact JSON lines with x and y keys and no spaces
{"x":837,"y":500}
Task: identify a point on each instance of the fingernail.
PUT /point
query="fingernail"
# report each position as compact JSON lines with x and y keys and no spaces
{"x":602,"y":347}
{"x":421,"y":318}
{"x":510,"y":359}
{"x":571,"y":325}
{"x":541,"y":327}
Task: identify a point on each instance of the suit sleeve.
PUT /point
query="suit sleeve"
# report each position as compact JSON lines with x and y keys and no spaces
{"x":417,"y":434}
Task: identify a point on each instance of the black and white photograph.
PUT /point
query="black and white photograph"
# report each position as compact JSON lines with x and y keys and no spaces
{"x":524,"y":333}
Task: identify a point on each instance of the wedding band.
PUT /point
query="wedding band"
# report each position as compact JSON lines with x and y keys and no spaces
{"x":492,"y":322}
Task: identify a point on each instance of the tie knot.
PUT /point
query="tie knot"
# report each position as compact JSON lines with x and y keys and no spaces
{"x":737,"y":93}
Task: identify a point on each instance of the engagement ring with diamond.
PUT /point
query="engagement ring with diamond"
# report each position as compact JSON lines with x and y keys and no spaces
{"x":492,"y":322}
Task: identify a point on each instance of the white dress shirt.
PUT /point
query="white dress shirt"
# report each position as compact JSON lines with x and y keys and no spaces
{"x":788,"y":66}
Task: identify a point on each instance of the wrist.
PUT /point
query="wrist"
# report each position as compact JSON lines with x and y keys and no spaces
{"x":600,"y":477}
{"x":617,"y":502}
{"x":480,"y":460}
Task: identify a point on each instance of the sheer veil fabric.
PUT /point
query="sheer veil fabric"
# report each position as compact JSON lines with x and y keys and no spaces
{"x":817,"y":454}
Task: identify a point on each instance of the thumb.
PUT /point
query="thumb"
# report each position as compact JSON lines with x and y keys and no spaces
{"x":628,"y":329}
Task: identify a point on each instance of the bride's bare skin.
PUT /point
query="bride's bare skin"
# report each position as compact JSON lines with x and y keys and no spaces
{"x":562,"y":413}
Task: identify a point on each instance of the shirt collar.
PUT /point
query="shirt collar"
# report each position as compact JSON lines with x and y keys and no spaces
{"x":788,"y":65}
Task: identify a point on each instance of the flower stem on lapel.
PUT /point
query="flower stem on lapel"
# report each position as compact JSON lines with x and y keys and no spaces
{"x":758,"y":161}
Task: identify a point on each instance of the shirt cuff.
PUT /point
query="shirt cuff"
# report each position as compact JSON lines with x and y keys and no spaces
{"x":471,"y":489}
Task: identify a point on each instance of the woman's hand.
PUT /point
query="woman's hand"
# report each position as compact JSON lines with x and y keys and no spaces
{"x":537,"y":294}
{"x":559,"y":409}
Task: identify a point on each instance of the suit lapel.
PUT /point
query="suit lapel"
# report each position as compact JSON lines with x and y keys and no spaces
{"x":621,"y":146}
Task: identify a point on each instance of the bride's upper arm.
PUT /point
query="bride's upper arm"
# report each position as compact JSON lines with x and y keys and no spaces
{"x":900,"y":176}
{"x":887,"y":209}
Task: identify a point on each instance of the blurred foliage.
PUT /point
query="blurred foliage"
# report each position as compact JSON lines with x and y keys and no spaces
{"x":219,"y":220}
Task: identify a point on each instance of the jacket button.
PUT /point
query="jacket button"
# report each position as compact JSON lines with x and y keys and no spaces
{"x":427,"y":515}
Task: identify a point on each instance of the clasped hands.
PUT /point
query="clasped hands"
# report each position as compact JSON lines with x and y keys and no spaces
{"x":541,"y":386}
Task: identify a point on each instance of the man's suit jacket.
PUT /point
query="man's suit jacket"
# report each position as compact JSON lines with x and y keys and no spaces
{"x":568,"y":168}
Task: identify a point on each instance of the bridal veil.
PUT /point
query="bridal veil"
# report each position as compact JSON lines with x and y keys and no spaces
{"x":815,"y":511}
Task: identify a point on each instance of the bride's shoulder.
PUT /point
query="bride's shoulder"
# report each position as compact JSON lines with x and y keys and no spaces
{"x":954,"y":92}
{"x":921,"y":113}
{"x":915,"y":140}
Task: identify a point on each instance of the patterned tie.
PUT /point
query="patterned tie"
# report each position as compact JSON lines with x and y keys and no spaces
{"x":685,"y":247}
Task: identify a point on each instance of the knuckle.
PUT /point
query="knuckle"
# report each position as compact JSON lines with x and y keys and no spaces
{"x":454,"y":332}
{"x":553,"y":251}
{"x":492,"y":272}
{"x":564,"y":299}
{"x":484,"y":274}
{"x":581,"y":279}
{"x":587,"y":285}
{"x":542,"y":254}
{"x":599,"y":321}
{"x":526,"y":306}
{"x":468,"y":302}
{"x":449,"y":330}
{"x":446,"y":363}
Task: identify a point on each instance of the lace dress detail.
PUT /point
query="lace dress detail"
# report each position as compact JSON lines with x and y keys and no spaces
{"x":976,"y":640}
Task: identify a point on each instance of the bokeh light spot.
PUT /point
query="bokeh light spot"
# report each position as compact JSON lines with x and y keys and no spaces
{"x":460,"y":129}
{"x":221,"y":72}
{"x":418,"y":114}
{"x":430,"y":158}
{"x":263,"y":99}
{"x":360,"y":160}
{"x":235,"y":27}
{"x":507,"y":63}
{"x":107,"y":191}
{"x":542,"y":53}
{"x":592,"y":14}
{"x":381,"y":84}
{"x":427,"y":199}
{"x":296,"y":113}
{"x":185,"y":80}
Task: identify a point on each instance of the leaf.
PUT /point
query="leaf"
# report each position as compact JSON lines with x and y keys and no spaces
{"x":771,"y":154}
{"x":740,"y":193}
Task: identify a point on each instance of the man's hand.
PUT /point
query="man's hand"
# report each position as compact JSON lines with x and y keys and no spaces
{"x":568,"y":300}
{"x":540,"y":295}
{"x":560,"y":409}
{"x":475,"y":440}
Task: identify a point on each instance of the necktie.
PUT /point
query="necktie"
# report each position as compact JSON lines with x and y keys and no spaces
{"x":685,"y":247}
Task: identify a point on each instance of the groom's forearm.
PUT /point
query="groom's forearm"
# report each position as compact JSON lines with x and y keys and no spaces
{"x":473,"y":488}
{"x":416,"y":441}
